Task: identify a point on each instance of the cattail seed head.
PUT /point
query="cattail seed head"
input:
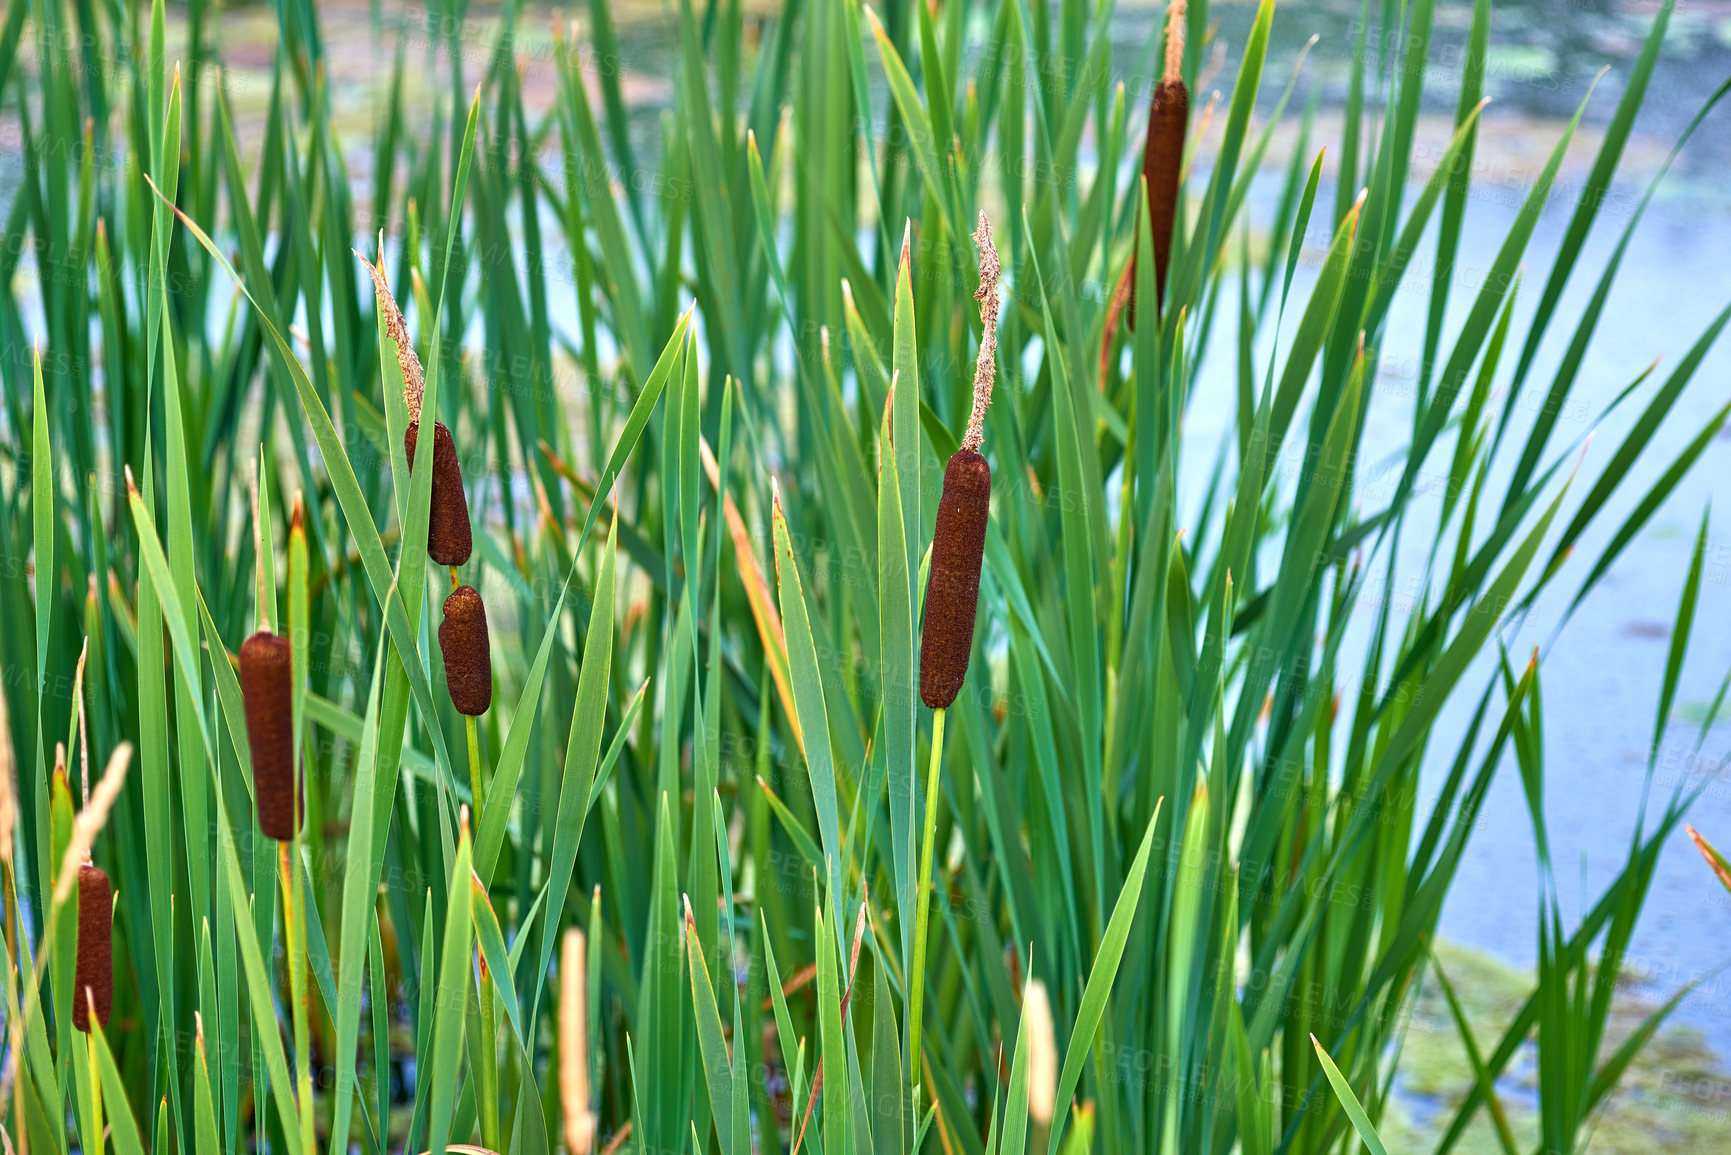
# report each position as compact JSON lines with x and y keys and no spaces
{"x":94,"y":971}
{"x":449,"y":540}
{"x":267,"y":692}
{"x":468,"y":661}
{"x":1163,"y":152}
{"x":1163,"y":162}
{"x":953,"y":583}
{"x":959,"y":538}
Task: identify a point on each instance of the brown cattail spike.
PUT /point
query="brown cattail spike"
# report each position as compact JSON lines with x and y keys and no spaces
{"x":953,"y":585}
{"x":93,"y":975}
{"x":267,"y":692}
{"x":468,"y":662}
{"x":449,"y":541}
{"x":1163,"y":152}
{"x":959,"y":538}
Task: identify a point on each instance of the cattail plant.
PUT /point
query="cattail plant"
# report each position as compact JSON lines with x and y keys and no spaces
{"x":449,"y":537}
{"x":953,"y":594}
{"x":267,"y":687}
{"x":959,"y":537}
{"x":463,"y":639}
{"x":1163,"y":153}
{"x":468,"y":661}
{"x":267,"y":695}
{"x":267,"y":692}
{"x":93,"y":971}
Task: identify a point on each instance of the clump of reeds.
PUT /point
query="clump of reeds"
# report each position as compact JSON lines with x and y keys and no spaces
{"x":1163,"y":153}
{"x":959,"y":538}
{"x":468,"y":658}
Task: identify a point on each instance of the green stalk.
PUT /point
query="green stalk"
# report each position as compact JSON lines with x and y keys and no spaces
{"x":489,"y":1073}
{"x":474,"y":767}
{"x":294,"y":933}
{"x":917,"y":975}
{"x":96,"y":1127}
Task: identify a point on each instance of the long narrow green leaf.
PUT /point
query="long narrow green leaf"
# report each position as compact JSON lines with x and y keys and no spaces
{"x":1100,"y":978}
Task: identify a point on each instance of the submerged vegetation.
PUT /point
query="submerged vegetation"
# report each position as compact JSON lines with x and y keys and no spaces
{"x":1167,"y":883}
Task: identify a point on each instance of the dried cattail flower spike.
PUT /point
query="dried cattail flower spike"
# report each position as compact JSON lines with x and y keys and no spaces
{"x":1163,"y":152}
{"x":267,"y":693}
{"x":449,"y":539}
{"x":93,"y":973}
{"x":468,"y":660}
{"x":959,"y":538}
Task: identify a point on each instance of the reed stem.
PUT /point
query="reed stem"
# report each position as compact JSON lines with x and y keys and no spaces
{"x":489,"y":1073}
{"x":917,"y":973}
{"x":474,"y":748}
{"x":294,"y":934}
{"x":489,"y":1090}
{"x":93,"y":1142}
{"x":474,"y":766}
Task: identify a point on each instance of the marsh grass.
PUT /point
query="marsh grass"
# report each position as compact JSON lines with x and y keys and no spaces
{"x":1181,"y":789}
